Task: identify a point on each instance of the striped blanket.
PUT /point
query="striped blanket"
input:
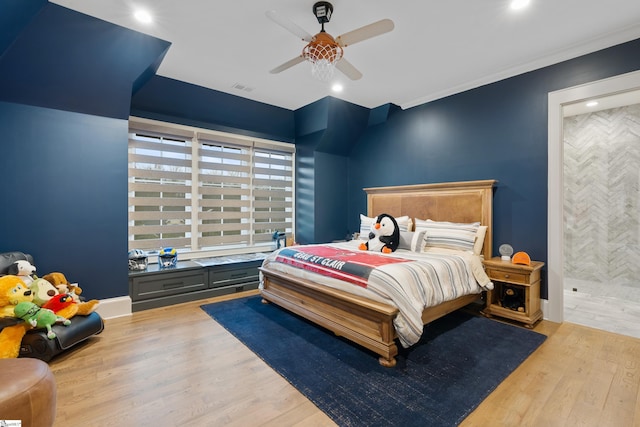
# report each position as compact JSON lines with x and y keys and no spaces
{"x":407,"y":280}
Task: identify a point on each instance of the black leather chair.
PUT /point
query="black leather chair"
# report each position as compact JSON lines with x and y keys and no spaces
{"x":35,"y":343}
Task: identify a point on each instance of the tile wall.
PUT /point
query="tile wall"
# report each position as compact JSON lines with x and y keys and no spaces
{"x":602,"y":196}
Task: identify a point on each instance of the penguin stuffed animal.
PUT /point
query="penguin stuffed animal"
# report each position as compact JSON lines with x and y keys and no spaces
{"x":384,"y":235}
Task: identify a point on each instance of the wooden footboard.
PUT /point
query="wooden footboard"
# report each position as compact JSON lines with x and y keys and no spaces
{"x":363,"y":321}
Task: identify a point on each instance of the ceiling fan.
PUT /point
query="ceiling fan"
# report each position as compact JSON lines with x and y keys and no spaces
{"x":323,"y":51}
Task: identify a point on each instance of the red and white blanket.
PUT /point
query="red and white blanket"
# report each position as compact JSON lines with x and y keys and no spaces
{"x":339,"y":263}
{"x":407,"y":280}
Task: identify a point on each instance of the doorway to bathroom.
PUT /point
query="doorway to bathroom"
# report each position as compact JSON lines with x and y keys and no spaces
{"x":594,"y":205}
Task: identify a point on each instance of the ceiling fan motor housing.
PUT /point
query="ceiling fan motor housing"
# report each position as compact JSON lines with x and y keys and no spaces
{"x":323,"y":10}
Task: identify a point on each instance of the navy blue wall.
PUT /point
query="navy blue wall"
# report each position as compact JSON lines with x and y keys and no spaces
{"x":498,"y":131}
{"x":321,"y":195}
{"x":66,"y":81}
{"x":326,"y":132}
{"x":16,"y":14}
{"x":331,"y":173}
{"x":171,"y":100}
{"x":65,"y":60}
{"x":65,"y":194}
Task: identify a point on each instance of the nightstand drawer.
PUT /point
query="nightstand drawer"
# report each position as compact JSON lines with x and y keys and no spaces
{"x":507,"y":276}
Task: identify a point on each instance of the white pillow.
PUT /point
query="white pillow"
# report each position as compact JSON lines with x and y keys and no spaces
{"x":404,"y":224}
{"x":450,"y":235}
{"x":479,"y":243}
{"x":365,"y":226}
{"x":412,"y":240}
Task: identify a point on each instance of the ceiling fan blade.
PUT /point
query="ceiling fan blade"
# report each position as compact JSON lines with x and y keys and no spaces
{"x":290,"y":63}
{"x":289,"y":25}
{"x":366,"y":32}
{"x":348,"y":69}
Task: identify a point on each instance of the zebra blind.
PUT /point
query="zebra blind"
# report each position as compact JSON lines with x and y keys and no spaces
{"x":194,"y":189}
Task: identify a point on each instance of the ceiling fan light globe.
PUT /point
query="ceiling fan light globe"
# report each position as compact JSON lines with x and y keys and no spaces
{"x":323,"y":46}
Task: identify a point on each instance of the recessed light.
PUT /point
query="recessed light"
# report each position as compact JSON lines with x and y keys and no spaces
{"x":337,"y":87}
{"x":143,"y":16}
{"x":519,"y":4}
{"x":592,"y":103}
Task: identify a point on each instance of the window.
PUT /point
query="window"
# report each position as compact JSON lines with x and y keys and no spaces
{"x":200,"y":190}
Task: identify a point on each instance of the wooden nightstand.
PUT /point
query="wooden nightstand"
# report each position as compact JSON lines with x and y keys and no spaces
{"x":524,"y":281}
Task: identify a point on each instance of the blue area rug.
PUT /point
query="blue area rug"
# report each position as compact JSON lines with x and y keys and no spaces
{"x":460,"y":359}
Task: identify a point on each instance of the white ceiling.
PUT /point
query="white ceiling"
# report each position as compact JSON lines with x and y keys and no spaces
{"x":437,"y":48}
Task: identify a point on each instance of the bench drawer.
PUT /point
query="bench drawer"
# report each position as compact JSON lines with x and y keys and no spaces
{"x":231,"y":276}
{"x":159,"y":285}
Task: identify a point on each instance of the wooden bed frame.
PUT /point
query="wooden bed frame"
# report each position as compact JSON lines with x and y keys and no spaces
{"x":367,"y":322}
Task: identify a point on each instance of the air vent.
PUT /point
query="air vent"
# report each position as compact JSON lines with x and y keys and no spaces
{"x":240,"y":86}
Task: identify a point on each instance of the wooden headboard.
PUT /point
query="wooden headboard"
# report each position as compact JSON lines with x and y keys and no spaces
{"x":467,"y":201}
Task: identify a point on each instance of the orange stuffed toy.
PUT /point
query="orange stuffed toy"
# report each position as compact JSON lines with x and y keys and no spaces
{"x":12,"y":291}
{"x":10,"y":339}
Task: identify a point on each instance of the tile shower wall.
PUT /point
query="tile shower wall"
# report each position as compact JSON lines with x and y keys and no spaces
{"x":602,"y":196}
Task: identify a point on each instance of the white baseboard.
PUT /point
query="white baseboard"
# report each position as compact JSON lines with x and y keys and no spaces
{"x":114,"y":307}
{"x":548,"y":313}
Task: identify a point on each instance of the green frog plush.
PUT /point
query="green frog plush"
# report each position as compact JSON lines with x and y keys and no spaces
{"x":39,"y":317}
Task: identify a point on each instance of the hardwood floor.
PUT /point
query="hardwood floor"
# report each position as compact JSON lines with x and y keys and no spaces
{"x":175,"y":366}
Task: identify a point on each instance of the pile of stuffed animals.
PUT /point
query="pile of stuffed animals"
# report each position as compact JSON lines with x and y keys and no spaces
{"x":40,"y":302}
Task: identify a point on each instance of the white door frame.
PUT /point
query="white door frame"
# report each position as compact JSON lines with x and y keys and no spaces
{"x":553,"y":307}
